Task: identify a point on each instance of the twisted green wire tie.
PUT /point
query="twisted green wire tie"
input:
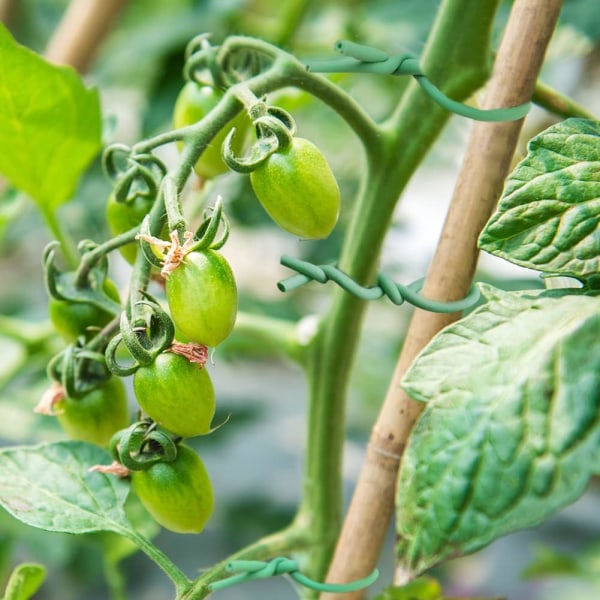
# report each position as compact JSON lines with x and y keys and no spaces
{"x":250,"y":570}
{"x":357,"y":58}
{"x":396,"y":292}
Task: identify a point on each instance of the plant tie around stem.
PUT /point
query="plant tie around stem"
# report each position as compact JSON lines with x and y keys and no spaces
{"x":396,"y":292}
{"x":249,"y":570}
{"x":357,"y":58}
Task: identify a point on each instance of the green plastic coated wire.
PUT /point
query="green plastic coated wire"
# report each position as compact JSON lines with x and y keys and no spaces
{"x":357,"y":58}
{"x":249,"y":570}
{"x":396,"y":292}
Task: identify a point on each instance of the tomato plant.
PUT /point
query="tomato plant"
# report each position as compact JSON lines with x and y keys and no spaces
{"x":178,"y":494}
{"x":97,"y":414}
{"x":488,"y":424}
{"x":177,"y":394}
{"x":298,"y":190}
{"x":202,"y":297}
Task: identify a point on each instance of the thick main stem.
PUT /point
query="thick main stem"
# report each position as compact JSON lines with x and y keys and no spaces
{"x":392,"y":158}
{"x":480,"y":183}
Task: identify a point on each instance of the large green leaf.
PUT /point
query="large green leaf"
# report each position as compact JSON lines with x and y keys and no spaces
{"x":49,"y":486}
{"x":549,"y":215}
{"x":511,"y":430}
{"x":50,"y":124}
{"x":24,"y":581}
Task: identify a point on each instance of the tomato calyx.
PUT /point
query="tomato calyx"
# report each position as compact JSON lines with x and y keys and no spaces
{"x":275,"y":129}
{"x":138,"y":447}
{"x":195,"y":353}
{"x":86,"y":285}
{"x":115,"y":468}
{"x":145,"y":334}
{"x":171,"y":254}
{"x":53,"y":395}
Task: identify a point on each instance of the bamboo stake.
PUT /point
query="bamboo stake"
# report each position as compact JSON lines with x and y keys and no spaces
{"x":81,"y":30}
{"x":479,"y":185}
{"x":6,"y":8}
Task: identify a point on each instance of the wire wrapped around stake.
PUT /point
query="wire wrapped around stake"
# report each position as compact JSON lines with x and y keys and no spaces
{"x":396,"y":292}
{"x":250,"y":570}
{"x":357,"y":58}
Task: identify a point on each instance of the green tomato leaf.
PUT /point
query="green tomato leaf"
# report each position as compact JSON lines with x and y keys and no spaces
{"x":511,"y":431}
{"x":549,"y":215}
{"x":50,"y":124}
{"x":49,"y":486}
{"x":25,"y":581}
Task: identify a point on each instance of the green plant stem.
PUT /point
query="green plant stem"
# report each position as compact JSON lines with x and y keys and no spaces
{"x":31,"y":335}
{"x":66,"y":243}
{"x":178,"y":578}
{"x":559,"y":104}
{"x":114,"y":579}
{"x":273,"y":337}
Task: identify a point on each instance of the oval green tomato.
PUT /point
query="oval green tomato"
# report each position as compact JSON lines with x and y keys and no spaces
{"x":97,"y":415}
{"x":193,"y":104}
{"x":202,"y":297}
{"x":177,"y":394}
{"x":71,"y":319}
{"x":177,"y":494}
{"x":298,"y":190}
{"x":123,"y":216}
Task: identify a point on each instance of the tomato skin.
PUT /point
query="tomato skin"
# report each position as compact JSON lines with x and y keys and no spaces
{"x":123,"y":216}
{"x":71,"y":319}
{"x":193,"y":103}
{"x":298,"y":190}
{"x":202,"y":297}
{"x":177,"y":494}
{"x":97,"y":415}
{"x":177,"y":394}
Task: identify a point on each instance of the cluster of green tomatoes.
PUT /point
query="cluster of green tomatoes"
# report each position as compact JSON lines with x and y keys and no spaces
{"x":172,"y":387}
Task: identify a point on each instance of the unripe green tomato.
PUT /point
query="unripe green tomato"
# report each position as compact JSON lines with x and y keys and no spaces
{"x":298,"y":190}
{"x":97,"y":415}
{"x":177,"y":494}
{"x":123,"y":216}
{"x":202,"y":297}
{"x":71,"y":319}
{"x":177,"y":394}
{"x":193,"y":104}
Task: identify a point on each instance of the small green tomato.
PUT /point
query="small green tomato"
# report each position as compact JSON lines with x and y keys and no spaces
{"x":177,"y":494}
{"x":298,"y":190}
{"x":177,"y":394}
{"x":202,"y":297}
{"x":97,"y":415}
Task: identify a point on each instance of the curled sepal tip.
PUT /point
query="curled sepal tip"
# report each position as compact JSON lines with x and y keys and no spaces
{"x":275,"y":129}
{"x":133,"y":174}
{"x":145,"y":336}
{"x":141,"y":445}
{"x":82,"y":285}
{"x":78,"y":370}
{"x":214,"y":221}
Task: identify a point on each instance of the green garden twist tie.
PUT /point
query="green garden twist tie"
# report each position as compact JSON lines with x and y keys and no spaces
{"x":365,"y":59}
{"x":396,"y":292}
{"x":249,"y":570}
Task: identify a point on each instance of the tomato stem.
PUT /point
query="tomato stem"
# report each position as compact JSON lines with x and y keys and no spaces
{"x":181,"y":582}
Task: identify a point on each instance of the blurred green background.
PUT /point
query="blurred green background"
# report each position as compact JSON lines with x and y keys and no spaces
{"x":256,"y":460}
